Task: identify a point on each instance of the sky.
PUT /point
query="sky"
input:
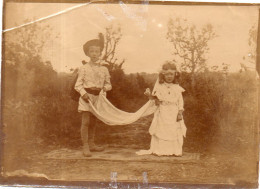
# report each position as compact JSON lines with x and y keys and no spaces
{"x":144,"y":27}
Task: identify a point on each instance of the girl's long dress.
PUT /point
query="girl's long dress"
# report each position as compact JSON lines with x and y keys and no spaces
{"x":167,"y":134}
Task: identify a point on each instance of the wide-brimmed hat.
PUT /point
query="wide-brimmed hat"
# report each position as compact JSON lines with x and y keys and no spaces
{"x":94,"y":42}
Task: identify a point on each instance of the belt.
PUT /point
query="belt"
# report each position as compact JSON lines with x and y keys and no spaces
{"x":164,"y":103}
{"x":92,"y":91}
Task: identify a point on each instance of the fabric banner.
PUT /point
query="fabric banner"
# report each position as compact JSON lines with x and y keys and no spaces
{"x":110,"y":115}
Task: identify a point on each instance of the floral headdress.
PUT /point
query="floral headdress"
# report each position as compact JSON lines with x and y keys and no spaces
{"x":169,"y":67}
{"x":167,"y":71}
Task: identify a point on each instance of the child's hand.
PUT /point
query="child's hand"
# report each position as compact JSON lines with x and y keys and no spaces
{"x":85,"y":97}
{"x":104,"y":89}
{"x":179,"y":116}
{"x":147,"y":92}
{"x":157,"y":101}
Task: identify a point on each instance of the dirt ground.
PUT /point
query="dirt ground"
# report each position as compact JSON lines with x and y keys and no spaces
{"x":236,"y":170}
{"x":210,"y":169}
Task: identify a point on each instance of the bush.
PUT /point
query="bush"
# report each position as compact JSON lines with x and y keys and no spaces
{"x":220,"y":110}
{"x":127,"y":92}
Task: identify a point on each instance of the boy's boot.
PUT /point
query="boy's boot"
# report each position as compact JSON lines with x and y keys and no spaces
{"x":93,"y":147}
{"x":86,"y":151}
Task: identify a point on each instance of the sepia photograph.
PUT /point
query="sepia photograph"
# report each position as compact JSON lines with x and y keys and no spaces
{"x":130,"y":95}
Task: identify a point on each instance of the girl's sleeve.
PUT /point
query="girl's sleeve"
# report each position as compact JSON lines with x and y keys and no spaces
{"x":155,"y":88}
{"x":180,"y":99}
{"x":107,"y":83}
{"x":80,"y":81}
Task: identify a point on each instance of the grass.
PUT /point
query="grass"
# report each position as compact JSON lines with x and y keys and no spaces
{"x":220,"y":115}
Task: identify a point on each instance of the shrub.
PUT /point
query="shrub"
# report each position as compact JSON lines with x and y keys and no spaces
{"x":220,"y":110}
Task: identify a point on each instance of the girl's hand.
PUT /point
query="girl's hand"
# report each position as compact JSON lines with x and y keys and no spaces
{"x":157,"y":101}
{"x":85,"y":97}
{"x":147,"y":92}
{"x":179,"y":116}
{"x":104,"y":89}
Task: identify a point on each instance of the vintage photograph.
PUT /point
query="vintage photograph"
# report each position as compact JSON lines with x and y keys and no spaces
{"x":130,"y":95}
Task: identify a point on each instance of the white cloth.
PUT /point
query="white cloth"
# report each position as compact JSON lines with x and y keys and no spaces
{"x":163,"y":147}
{"x":109,"y":114}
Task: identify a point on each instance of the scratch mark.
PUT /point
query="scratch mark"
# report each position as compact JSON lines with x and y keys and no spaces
{"x":135,"y":15}
{"x":24,"y":173}
{"x":145,"y":179}
{"x":47,"y":17}
{"x":113,"y":183}
{"x":105,"y":14}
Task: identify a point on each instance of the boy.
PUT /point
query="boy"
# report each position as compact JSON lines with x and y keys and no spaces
{"x":92,"y":78}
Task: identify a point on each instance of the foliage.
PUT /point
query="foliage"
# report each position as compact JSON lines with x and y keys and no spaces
{"x":220,"y":111}
{"x":113,"y":36}
{"x":25,"y":71}
{"x":190,"y":43}
{"x":29,"y":41}
{"x":252,"y":41}
{"x":27,"y":80}
{"x":127,"y":89}
{"x":251,"y":57}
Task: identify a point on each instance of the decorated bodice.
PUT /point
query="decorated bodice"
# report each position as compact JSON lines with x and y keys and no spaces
{"x":169,"y":94}
{"x":92,"y":75}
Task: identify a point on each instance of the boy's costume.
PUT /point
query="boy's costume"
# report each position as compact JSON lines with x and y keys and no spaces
{"x":91,"y":75}
{"x":92,"y":78}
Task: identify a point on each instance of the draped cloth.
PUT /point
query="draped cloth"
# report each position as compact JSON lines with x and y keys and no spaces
{"x":110,"y":115}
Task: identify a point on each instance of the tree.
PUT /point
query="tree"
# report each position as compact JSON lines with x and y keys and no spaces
{"x":251,"y":56}
{"x":25,"y":76}
{"x":23,"y":65}
{"x":249,"y":60}
{"x":113,"y":36}
{"x":30,"y":40}
{"x":252,"y":41}
{"x":190,"y":44}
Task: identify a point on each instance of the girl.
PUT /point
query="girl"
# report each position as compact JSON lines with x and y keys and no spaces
{"x":167,"y":129}
{"x":92,"y":78}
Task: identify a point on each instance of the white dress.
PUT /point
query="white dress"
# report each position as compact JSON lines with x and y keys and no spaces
{"x":167,"y":134}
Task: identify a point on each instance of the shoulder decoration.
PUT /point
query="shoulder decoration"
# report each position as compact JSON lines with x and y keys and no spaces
{"x":181,"y":89}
